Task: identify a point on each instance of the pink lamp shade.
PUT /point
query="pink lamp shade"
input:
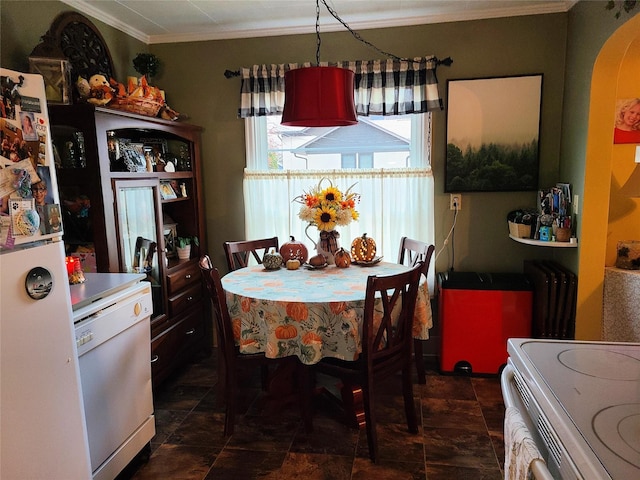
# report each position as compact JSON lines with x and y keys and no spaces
{"x":319,"y":97}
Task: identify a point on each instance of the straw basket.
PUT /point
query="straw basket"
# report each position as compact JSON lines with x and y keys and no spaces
{"x":141,"y":106}
{"x":519,"y":230}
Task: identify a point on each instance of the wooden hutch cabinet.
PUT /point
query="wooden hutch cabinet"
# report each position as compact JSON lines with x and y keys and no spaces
{"x":128,"y":182}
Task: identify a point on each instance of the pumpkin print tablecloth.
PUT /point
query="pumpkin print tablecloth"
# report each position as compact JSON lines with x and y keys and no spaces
{"x":308,"y":313}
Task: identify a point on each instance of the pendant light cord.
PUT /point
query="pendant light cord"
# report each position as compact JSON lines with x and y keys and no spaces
{"x":355,"y":34}
{"x":318,"y":41}
{"x":447,"y":61}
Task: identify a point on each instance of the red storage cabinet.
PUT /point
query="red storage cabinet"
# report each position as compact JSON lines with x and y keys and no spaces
{"x":477,"y":313}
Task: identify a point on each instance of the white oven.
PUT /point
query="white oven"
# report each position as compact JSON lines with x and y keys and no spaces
{"x":581,"y":404}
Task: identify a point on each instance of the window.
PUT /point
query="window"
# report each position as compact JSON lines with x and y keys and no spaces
{"x":387,"y":158}
{"x":375,"y":142}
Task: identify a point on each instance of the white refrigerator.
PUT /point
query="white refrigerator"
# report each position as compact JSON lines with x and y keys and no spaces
{"x":42,"y":421}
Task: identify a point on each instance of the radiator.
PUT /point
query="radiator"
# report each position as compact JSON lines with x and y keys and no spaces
{"x":554,"y":299}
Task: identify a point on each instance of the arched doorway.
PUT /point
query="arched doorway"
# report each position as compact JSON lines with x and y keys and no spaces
{"x":607,"y":217}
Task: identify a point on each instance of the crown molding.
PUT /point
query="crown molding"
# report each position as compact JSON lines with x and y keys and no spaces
{"x":251,"y":30}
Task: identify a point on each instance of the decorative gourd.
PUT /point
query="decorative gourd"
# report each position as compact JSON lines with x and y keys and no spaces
{"x":363,"y":249}
{"x":318,"y":260}
{"x":342,"y":258}
{"x":285,"y":332}
{"x":272,"y":260}
{"x":293,"y":264}
{"x":294,"y":249}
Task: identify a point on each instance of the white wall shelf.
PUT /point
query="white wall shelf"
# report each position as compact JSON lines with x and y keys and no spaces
{"x":540,"y":243}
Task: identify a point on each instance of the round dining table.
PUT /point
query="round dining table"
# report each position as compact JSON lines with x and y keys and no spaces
{"x":310,"y":313}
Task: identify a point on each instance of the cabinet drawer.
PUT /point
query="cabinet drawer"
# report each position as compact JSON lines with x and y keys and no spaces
{"x":183,"y":277}
{"x":190,"y":330}
{"x":163,"y":350}
{"x":178,"y":303}
{"x":173,"y":346}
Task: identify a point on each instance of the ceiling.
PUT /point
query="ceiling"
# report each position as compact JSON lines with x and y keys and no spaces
{"x":170,"y":21}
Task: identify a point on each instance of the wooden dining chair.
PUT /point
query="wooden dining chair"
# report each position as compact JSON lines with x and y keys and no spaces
{"x":386,"y":347}
{"x":231,"y":357}
{"x":411,"y":252}
{"x":239,"y":253}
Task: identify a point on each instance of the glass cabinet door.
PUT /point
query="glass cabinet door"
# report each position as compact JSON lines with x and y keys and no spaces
{"x":140,"y":248}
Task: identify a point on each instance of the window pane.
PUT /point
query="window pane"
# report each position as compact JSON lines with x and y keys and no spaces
{"x":374,"y":142}
{"x":348,"y":160}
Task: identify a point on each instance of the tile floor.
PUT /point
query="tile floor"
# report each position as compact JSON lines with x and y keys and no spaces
{"x":460,"y":435}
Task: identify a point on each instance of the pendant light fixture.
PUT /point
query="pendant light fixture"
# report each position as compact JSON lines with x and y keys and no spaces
{"x":319,"y":96}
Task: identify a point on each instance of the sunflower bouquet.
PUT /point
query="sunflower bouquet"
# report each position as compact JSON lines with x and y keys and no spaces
{"x":328,"y":207}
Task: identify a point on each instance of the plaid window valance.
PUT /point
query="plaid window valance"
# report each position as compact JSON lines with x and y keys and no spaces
{"x":382,"y":87}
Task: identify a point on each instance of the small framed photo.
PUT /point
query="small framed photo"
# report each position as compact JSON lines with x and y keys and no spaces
{"x":170,"y":234}
{"x":56,"y":73}
{"x":166,"y":191}
{"x":133,"y":156}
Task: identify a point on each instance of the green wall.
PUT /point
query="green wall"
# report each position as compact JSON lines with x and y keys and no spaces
{"x":193,"y":79}
{"x":479,"y":49}
{"x":22,"y":23}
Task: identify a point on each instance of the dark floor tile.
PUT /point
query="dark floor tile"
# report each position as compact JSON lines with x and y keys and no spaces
{"x":460,"y":420}
{"x":487,"y":389}
{"x":455,"y":387}
{"x":395,"y":443}
{"x":329,"y":437}
{"x":449,"y":446}
{"x":167,"y":421}
{"x":233,"y":464}
{"x":497,"y":439}
{"x":449,"y":472}
{"x":200,"y":429}
{"x":177,"y":462}
{"x":390,"y":408}
{"x":364,"y":469}
{"x":201,"y":373}
{"x":179,"y":397}
{"x":446,"y":413}
{"x":493,"y":416}
{"x":263,"y":434}
{"x":313,"y":466}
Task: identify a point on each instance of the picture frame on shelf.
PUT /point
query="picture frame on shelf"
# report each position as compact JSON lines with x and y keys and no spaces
{"x":170,"y":234}
{"x":493,"y":134}
{"x":166,"y":191}
{"x":132,"y":154}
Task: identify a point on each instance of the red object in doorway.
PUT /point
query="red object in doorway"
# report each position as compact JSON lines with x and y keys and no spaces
{"x":477,"y":314}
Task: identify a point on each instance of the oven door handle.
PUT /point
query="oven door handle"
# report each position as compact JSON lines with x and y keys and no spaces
{"x":505,"y":380}
{"x":538,"y":467}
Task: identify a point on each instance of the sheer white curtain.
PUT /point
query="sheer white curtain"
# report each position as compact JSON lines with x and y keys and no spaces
{"x":394,"y":203}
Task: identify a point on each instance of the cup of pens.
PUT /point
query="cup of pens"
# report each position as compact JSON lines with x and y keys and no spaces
{"x":562,"y":229}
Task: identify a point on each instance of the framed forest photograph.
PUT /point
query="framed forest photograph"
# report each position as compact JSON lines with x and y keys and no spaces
{"x":493,"y":133}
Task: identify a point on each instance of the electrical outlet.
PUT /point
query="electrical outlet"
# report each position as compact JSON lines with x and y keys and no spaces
{"x":455,"y":202}
{"x":576,"y":200}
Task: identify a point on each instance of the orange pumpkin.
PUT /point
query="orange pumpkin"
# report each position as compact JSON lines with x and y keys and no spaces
{"x":285,"y":332}
{"x":294,"y":250}
{"x":363,"y":249}
{"x":342,"y":258}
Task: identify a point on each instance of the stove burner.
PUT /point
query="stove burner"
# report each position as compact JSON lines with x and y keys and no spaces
{"x":598,"y":363}
{"x":619,"y":425}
